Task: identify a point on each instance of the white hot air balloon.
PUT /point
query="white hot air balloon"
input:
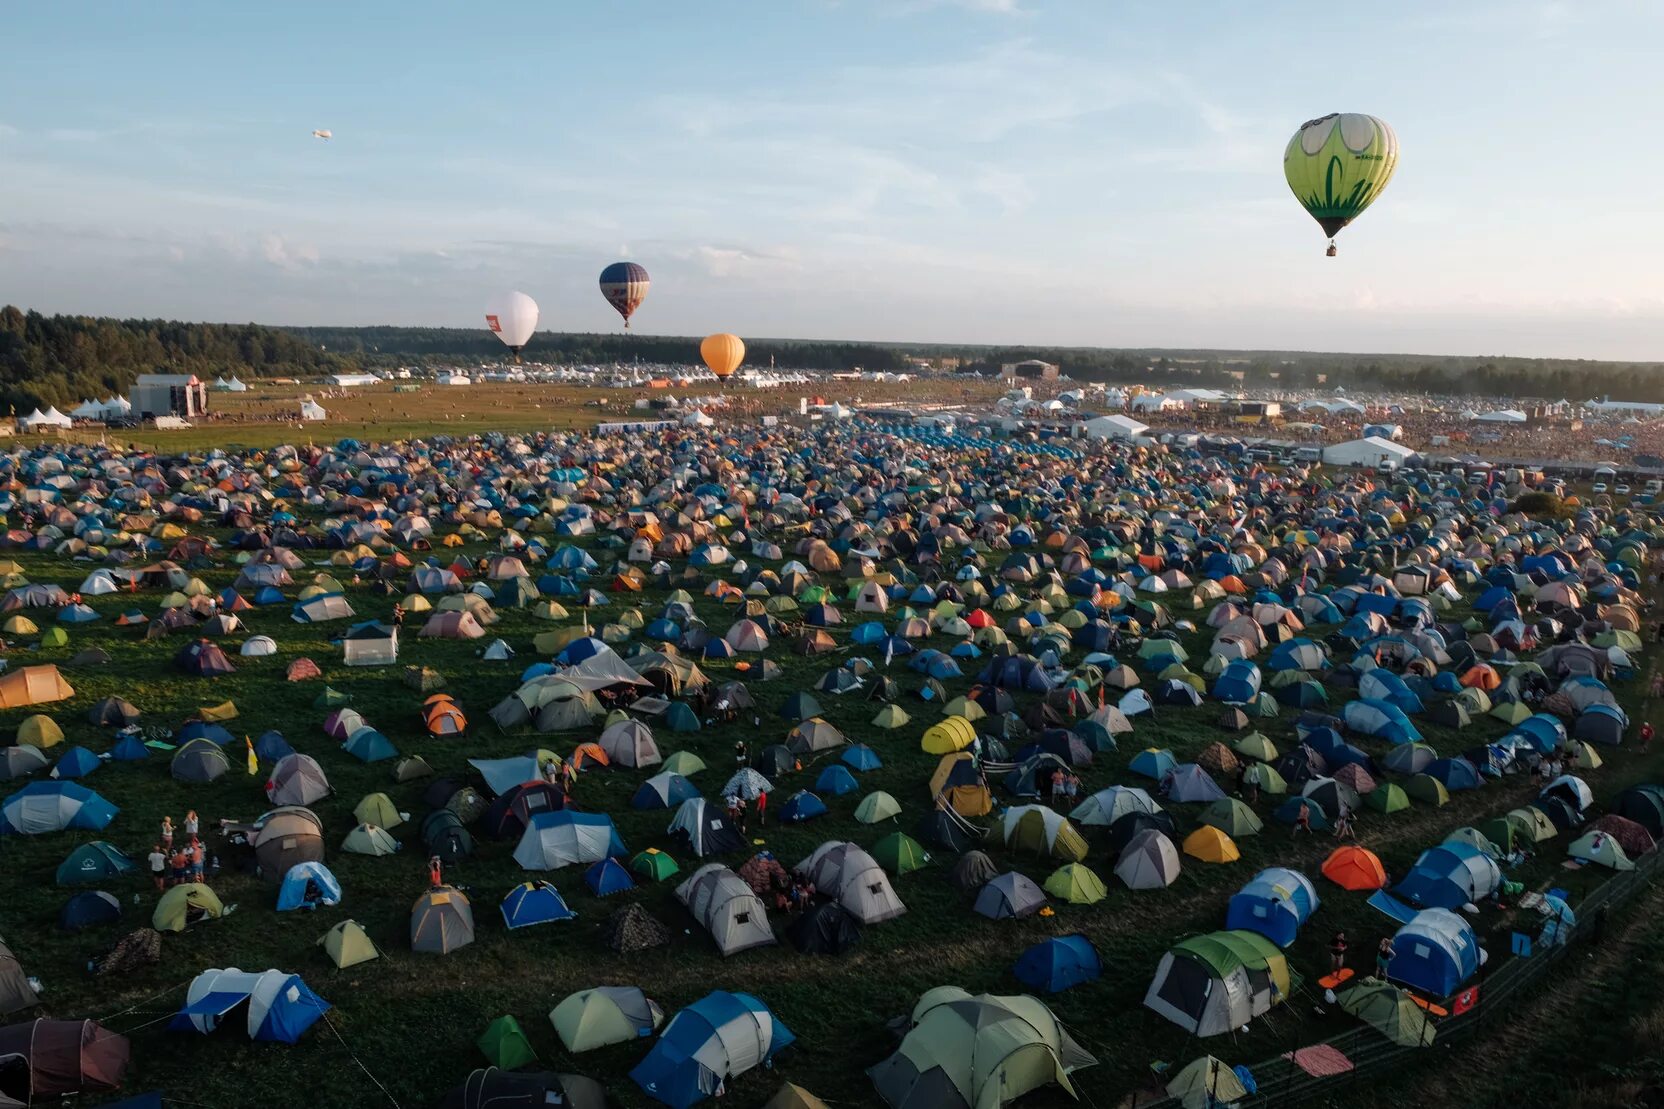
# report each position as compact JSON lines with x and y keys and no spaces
{"x":325,"y":135}
{"x":512,"y":319}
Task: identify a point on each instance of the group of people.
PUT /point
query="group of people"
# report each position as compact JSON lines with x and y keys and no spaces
{"x":738,"y":814}
{"x":177,"y":859}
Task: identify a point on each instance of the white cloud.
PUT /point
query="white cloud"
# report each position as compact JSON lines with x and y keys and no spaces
{"x":286,"y":255}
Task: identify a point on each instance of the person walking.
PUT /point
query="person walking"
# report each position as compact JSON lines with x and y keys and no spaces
{"x":762,"y":808}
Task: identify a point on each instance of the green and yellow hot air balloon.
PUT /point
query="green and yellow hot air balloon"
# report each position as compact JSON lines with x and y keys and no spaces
{"x":1338,"y":165}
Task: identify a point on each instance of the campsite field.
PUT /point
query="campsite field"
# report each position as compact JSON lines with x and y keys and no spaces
{"x":411,"y":1020}
{"x":266,"y":415}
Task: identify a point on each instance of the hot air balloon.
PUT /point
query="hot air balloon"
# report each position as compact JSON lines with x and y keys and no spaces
{"x":723,"y":353}
{"x":1338,"y":165}
{"x":624,"y":284}
{"x":512,"y":319}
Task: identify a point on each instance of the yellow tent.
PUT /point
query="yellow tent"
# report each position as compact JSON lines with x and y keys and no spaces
{"x":1211,"y":845}
{"x":181,"y":904}
{"x":20,"y":625}
{"x":218,"y":714}
{"x":40,"y":731}
{"x":953,"y":734}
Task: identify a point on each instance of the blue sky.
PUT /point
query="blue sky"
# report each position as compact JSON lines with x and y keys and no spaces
{"x":1085,"y":172}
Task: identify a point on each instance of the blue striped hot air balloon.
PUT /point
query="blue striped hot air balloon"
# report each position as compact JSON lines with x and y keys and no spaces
{"x":624,"y":284}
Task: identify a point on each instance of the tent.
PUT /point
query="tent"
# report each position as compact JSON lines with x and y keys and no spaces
{"x":1449,"y":876}
{"x":504,"y":1043}
{"x":32,"y":685}
{"x":718,"y":1037}
{"x":280,"y":1007}
{"x":727,"y":908}
{"x":441,"y":921}
{"x":16,"y":992}
{"x":1436,"y":951}
{"x":850,"y":876}
{"x":1054,"y":965}
{"x":308,"y":884}
{"x":823,"y":929}
{"x":604,"y":1015}
{"x":985,"y":1050}
{"x":58,"y":1057}
{"x":1042,"y":831}
{"x":704,"y":828}
{"x":1009,"y":896}
{"x":1354,"y":868}
{"x":1218,"y":982}
{"x":556,"y":839}
{"x":93,"y":862}
{"x":347,"y":944}
{"x":1148,"y":861}
{"x":1275,"y":903}
{"x":182,"y":906}
{"x":296,"y":780}
{"x":42,"y":807}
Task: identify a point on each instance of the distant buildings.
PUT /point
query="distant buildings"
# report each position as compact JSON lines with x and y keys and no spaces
{"x":353,"y":381}
{"x":182,"y":395}
{"x":1031,"y":368}
{"x":1113,"y":427}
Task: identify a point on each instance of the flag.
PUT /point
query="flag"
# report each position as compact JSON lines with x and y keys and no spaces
{"x":253,"y":760}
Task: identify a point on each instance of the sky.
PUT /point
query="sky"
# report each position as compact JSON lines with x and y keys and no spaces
{"x":1041,"y":172}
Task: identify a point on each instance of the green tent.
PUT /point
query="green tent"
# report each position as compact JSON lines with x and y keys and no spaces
{"x":890,"y":716}
{"x":505,"y":1045}
{"x":347,"y":944}
{"x":654,"y":864}
{"x":1255,"y":746}
{"x":1076,"y":884}
{"x":680,"y":718}
{"x":1427,"y":789}
{"x":1264,"y":775}
{"x":900,"y":853}
{"x":1232,"y":817}
{"x":54,"y":637}
{"x":1205,"y":1083}
{"x":331,"y":698}
{"x":1390,"y":1011}
{"x":685,"y":763}
{"x":1388,"y":798}
{"x":877,"y":806}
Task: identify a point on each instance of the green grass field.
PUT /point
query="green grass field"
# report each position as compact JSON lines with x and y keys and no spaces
{"x":412,"y":1020}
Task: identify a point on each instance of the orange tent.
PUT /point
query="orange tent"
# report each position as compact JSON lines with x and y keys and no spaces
{"x":589,"y":752}
{"x":1355,"y":868}
{"x":1230,"y":583}
{"x":1481,"y":676}
{"x":302,"y":669}
{"x":33,"y":685}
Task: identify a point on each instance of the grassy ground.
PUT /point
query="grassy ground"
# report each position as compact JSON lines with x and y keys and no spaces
{"x":266,"y":415}
{"x":412,"y":1020}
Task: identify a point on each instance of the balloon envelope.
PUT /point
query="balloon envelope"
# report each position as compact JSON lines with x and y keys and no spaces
{"x":1338,"y":165}
{"x":512,"y":319}
{"x":723,"y":353}
{"x":624,"y":284}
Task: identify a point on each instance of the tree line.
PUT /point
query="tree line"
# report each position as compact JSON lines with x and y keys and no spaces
{"x":61,"y":360}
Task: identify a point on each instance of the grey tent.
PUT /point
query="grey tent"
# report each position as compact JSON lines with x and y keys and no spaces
{"x":630,"y":743}
{"x":734,"y":915}
{"x":285,"y":837}
{"x":1148,"y":862}
{"x":441,"y":921}
{"x":16,"y":994}
{"x":705,"y":828}
{"x":1189,"y":782}
{"x":24,"y":759}
{"x":200,"y":760}
{"x":852,"y":878}
{"x":297,"y":780}
{"x":1008,"y":896}
{"x":973,"y":870}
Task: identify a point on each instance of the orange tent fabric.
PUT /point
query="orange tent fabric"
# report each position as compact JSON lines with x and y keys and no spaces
{"x":1481,"y":677}
{"x":33,"y":685}
{"x":1355,"y":868}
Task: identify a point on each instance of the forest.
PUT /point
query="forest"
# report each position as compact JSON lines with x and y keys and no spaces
{"x":63,"y":360}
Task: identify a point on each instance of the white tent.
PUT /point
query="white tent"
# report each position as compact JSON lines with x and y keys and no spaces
{"x":88,"y":410}
{"x":1383,"y":454}
{"x":697,"y":418}
{"x":370,"y":645}
{"x":1501,"y":416}
{"x":312,"y":410}
{"x":1114,"y":427}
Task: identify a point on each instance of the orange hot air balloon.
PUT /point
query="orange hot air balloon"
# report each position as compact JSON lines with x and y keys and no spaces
{"x":723,"y":353}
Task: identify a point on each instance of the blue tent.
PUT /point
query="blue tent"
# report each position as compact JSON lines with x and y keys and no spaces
{"x":1056,"y":964}
{"x":860,"y":757}
{"x":1384,"y":685}
{"x":865,"y":635}
{"x":1275,"y":903}
{"x":280,"y":1007}
{"x":836,"y":780}
{"x":271,"y":746}
{"x":716,"y":1038}
{"x":88,"y":909}
{"x":801,"y":806}
{"x":42,"y":807}
{"x":1449,"y":876}
{"x":608,"y":877}
{"x":663,"y":791}
{"x":93,"y":862}
{"x":1289,"y":813}
{"x":1153,"y":762}
{"x":1238,"y":683}
{"x":77,"y":762}
{"x":532,"y":903}
{"x":292,"y":894}
{"x":197,"y":729}
{"x":369,"y":745}
{"x":130,"y":749}
{"x":1435,"y":953}
{"x":1381,"y":719}
{"x":1454,"y":774}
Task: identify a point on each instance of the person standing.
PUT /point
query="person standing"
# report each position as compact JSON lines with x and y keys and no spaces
{"x":762,"y":808}
{"x":192,"y":824}
{"x":1337,"y":953}
{"x":1646,"y":736}
{"x":1383,"y":957}
{"x":436,"y":872}
{"x":167,"y":833}
{"x":158,"y":867}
